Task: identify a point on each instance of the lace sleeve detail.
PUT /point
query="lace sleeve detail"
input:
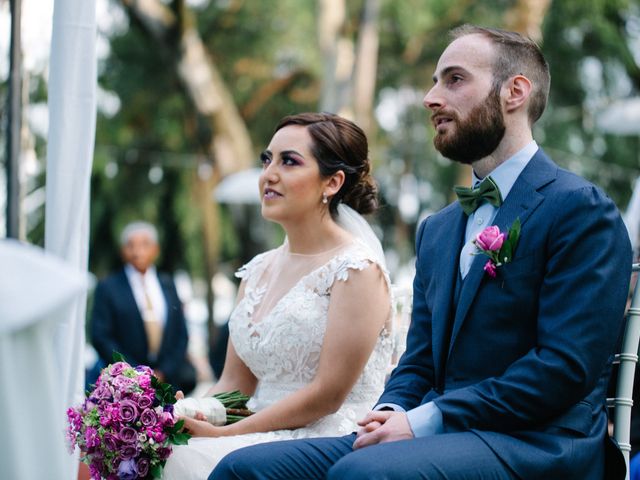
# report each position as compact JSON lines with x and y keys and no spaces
{"x":356,"y":258}
{"x":256,"y":264}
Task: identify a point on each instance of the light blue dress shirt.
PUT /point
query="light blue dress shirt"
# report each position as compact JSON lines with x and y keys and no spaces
{"x":427,"y":419}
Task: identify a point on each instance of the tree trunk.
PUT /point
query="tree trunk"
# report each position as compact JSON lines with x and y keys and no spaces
{"x":526,"y":18}
{"x":366,"y":67}
{"x":337,"y":57}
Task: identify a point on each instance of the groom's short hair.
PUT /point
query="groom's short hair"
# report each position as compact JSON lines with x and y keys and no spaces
{"x":515,"y":55}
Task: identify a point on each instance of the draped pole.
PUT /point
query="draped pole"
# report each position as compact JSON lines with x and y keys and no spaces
{"x":14,"y":117}
{"x":70,"y":145}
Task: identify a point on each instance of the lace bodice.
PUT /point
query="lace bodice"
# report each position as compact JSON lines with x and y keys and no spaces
{"x":282,"y":349}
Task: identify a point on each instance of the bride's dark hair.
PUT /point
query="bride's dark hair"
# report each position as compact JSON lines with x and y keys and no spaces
{"x":339,"y":144}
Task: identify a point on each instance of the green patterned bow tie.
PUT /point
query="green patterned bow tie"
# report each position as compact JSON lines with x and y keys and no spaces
{"x":471,"y":198}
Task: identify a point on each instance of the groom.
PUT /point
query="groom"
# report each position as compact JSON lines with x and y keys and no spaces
{"x":506,"y":365}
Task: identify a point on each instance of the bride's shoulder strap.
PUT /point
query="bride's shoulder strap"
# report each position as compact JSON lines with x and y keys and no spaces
{"x":255,"y":265}
{"x":357,"y":256}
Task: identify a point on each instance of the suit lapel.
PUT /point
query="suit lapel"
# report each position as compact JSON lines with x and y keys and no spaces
{"x":520,"y":203}
{"x":447,"y":266}
{"x":132,"y":305}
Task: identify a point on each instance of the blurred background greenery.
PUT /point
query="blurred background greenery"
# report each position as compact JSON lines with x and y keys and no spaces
{"x":189,"y":93}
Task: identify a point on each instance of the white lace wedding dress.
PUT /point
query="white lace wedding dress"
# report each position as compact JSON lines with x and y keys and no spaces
{"x":282,"y":350}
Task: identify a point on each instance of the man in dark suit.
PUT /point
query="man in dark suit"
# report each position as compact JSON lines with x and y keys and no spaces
{"x":137,"y":312}
{"x":507,"y":361}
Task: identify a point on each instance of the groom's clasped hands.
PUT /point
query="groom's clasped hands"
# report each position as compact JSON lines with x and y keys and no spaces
{"x":382,"y":426}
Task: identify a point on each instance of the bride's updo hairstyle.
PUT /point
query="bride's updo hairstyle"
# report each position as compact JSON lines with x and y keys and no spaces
{"x":339,"y":144}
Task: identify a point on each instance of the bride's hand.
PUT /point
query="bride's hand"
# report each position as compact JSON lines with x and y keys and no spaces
{"x":179,"y":395}
{"x":201,"y":428}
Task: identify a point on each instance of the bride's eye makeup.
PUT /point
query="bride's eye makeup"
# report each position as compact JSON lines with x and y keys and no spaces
{"x":290,"y":160}
{"x":265,"y":158}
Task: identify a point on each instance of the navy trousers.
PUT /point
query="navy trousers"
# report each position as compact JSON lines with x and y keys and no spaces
{"x":439,"y":457}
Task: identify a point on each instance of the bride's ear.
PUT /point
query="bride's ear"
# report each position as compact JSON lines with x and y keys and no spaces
{"x":334,"y":183}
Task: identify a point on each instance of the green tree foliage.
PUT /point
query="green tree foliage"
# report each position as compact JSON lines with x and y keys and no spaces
{"x":268,"y":55}
{"x":589,"y":48}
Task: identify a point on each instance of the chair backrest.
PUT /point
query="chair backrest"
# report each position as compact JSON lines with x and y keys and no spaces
{"x":403,"y":299}
{"x":626,"y":359}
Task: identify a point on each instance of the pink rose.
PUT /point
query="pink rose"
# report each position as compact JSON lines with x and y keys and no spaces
{"x":144,"y":381}
{"x":490,"y":239}
{"x":490,"y":268}
{"x":118,"y":367}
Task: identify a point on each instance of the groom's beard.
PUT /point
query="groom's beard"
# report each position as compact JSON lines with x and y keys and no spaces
{"x":478,"y":135}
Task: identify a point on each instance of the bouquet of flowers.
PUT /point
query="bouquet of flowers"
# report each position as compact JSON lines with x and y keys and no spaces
{"x":126,"y":426}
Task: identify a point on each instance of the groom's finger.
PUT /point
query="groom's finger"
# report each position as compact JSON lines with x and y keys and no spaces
{"x":366,"y":439}
{"x":369,"y":427}
{"x":376,"y":416}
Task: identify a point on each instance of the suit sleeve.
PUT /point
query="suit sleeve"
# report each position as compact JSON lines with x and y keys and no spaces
{"x":413,"y":377}
{"x":580,"y":311}
{"x":102,"y":327}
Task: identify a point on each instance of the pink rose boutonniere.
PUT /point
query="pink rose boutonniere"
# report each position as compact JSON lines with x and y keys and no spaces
{"x":498,"y":246}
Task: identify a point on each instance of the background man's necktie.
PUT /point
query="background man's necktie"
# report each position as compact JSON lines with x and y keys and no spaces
{"x":471,"y":198}
{"x":152,"y":324}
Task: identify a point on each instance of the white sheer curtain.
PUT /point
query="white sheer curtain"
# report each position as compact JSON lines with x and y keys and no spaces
{"x":72,"y":119}
{"x":35,"y":288}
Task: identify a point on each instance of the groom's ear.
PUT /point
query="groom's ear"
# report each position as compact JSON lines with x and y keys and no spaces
{"x":334,"y":183}
{"x":518,"y":89}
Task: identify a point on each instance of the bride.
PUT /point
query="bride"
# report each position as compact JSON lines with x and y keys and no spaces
{"x":309,"y":336}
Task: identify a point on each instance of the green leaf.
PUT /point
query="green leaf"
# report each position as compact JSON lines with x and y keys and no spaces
{"x":156,"y":470}
{"x":176,"y":427}
{"x":117,"y":357}
{"x":509,"y":245}
{"x":181,"y":438}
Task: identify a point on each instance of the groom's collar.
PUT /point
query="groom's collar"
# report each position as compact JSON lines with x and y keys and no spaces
{"x":506,"y":174}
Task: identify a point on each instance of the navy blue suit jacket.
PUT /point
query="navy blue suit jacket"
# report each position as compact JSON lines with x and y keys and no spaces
{"x":527,"y":363}
{"x":117,"y":325}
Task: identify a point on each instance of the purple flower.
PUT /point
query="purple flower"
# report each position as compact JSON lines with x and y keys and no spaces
{"x":490,"y":268}
{"x":94,"y":471}
{"x":144,"y":381}
{"x":164,"y":452}
{"x":148,"y":418}
{"x":128,"y":451}
{"x":144,"y":369}
{"x":117,"y":368}
{"x":127,"y":435}
{"x":110,"y":441}
{"x":75,"y":419}
{"x":102,"y":393}
{"x":168,"y":408}
{"x":128,"y":411}
{"x":167,"y":418}
{"x":145,"y":401}
{"x":127,"y":470}
{"x":91,"y":437}
{"x":142,"y":466}
{"x":123,"y":384}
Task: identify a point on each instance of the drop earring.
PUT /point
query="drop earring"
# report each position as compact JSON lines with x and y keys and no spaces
{"x":324,"y":198}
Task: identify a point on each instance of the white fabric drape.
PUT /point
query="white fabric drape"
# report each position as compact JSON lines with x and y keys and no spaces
{"x":34,"y":288}
{"x":72,"y":120}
